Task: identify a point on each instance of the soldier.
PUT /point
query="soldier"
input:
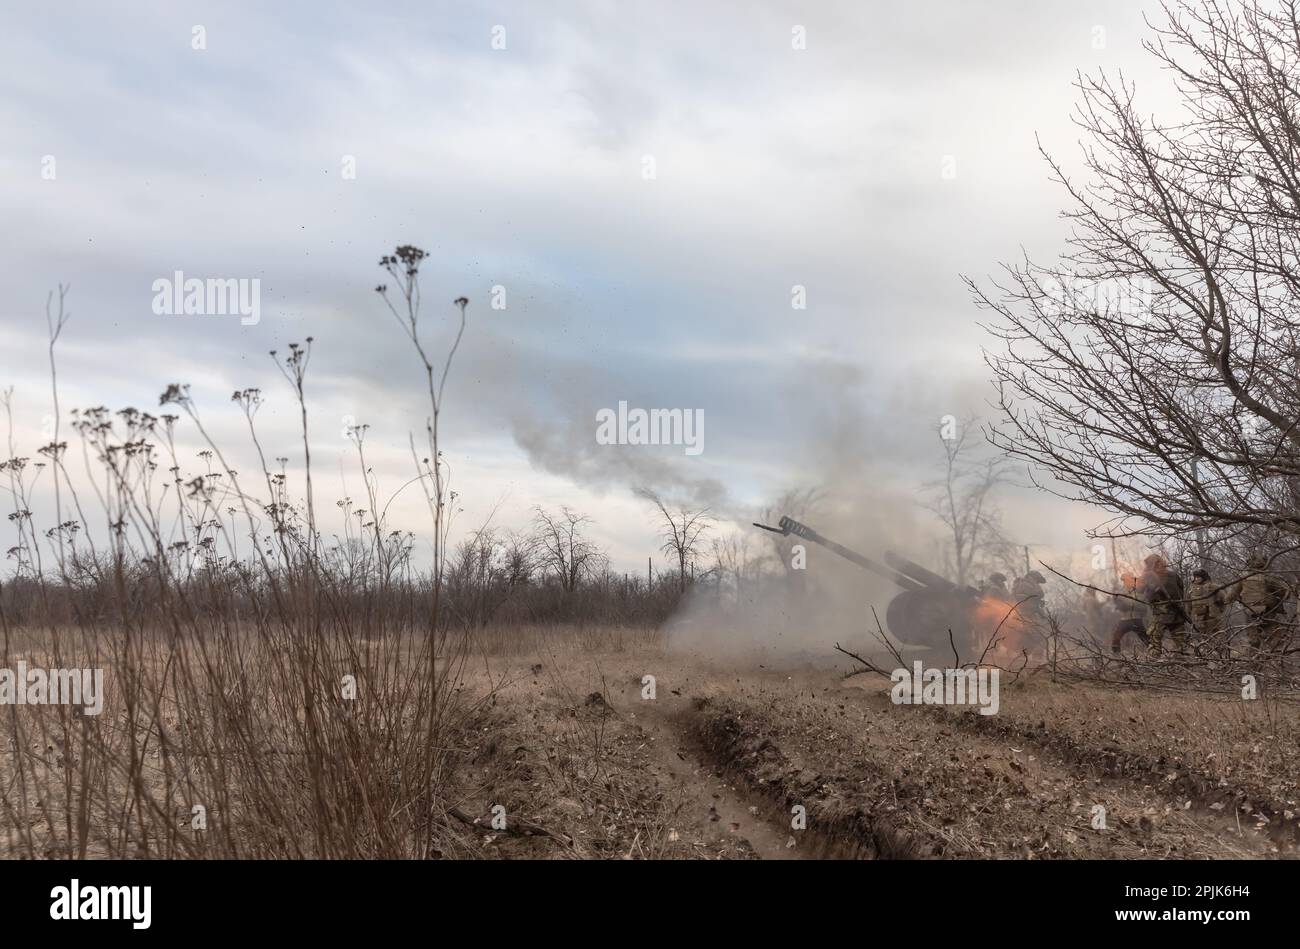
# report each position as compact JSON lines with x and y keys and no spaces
{"x":1206,"y":601}
{"x":1030,"y":589}
{"x":996,"y":585}
{"x":1132,"y":614}
{"x":1163,"y":590}
{"x":1263,"y":595}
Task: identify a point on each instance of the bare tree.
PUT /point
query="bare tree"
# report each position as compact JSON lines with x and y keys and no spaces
{"x":519,"y":555}
{"x":1154,"y":370}
{"x":562,"y":547}
{"x":962,"y":500}
{"x":681,"y":530}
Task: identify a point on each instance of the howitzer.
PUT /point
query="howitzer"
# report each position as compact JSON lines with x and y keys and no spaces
{"x":928,"y":607}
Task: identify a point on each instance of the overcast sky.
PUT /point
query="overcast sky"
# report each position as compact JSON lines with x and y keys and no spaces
{"x":524,"y":167}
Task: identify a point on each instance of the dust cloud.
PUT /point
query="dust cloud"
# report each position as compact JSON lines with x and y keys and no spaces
{"x":770,"y":606}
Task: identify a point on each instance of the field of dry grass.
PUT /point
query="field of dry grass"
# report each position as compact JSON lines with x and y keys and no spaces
{"x":554,"y":750}
{"x":226,"y":742}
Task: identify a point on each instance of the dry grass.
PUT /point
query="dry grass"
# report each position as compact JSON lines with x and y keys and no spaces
{"x":269,"y":693}
{"x":253,"y":727}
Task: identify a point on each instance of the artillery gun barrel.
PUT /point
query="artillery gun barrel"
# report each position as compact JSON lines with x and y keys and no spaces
{"x":914,"y":570}
{"x":790,"y":526}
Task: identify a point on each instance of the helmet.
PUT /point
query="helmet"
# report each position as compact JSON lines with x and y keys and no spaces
{"x":1257,"y":561}
{"x":1155,"y":562}
{"x":997,"y":578}
{"x":1036,"y":576}
{"x":1200,"y":573}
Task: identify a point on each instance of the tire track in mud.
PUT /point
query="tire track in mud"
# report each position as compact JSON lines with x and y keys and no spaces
{"x":905,"y":782}
{"x":716,"y":776}
{"x":687,"y":730}
{"x":1167,"y":775}
{"x":617,"y":775}
{"x":741,"y":749}
{"x":713,"y":805}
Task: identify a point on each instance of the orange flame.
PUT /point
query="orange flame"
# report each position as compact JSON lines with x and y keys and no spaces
{"x":1007,"y":626}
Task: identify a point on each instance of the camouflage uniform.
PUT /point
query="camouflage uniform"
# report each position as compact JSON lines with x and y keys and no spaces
{"x":1206,"y":601}
{"x":1163,"y":590}
{"x":1029,"y":588}
{"x":1263,"y":595}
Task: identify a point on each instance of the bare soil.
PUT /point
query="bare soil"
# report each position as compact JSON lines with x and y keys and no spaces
{"x":718,"y":763}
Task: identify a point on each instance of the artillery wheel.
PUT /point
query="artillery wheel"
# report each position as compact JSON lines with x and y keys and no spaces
{"x":923,"y":618}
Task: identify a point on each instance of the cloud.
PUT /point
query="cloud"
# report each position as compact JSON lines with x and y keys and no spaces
{"x":523,"y":168}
